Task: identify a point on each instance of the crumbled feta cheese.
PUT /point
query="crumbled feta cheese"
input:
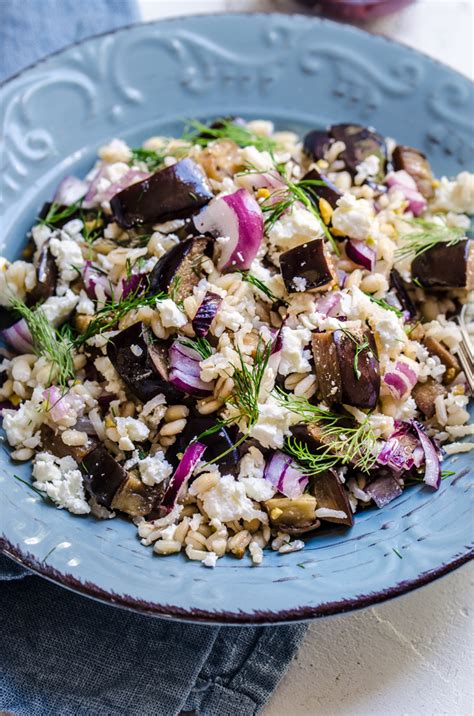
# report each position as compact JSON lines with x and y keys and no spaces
{"x":295,"y":227}
{"x":61,"y":479}
{"x":261,"y":161}
{"x":22,"y":424}
{"x":456,"y":196}
{"x":367,"y":169}
{"x":69,"y":259}
{"x":85,"y":305}
{"x":252,"y":467}
{"x":294,"y":356}
{"x":354,"y":218}
{"x":227,"y":501}
{"x":273,"y":424}
{"x":210,"y":560}
{"x":114,"y":383}
{"x":154,"y":469}
{"x":127,"y":431}
{"x":58,"y":308}
{"x":299,"y":283}
{"x":170,"y":315}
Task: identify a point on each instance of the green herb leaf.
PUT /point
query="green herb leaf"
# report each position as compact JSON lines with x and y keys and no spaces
{"x":427,"y":235}
{"x":254,"y":281}
{"x":56,"y":213}
{"x":150,"y":157}
{"x":48,"y":342}
{"x":200,"y":345}
{"x":397,"y":553}
{"x":383,"y":304}
{"x":201,"y":134}
{"x":31,"y":487}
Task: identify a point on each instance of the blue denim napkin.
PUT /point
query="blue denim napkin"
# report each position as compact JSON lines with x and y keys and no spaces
{"x":62,"y":654}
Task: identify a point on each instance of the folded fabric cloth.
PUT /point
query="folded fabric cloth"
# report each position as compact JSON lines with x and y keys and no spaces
{"x":64,"y":654}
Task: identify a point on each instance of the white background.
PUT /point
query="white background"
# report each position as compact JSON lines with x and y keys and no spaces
{"x":412,"y":656}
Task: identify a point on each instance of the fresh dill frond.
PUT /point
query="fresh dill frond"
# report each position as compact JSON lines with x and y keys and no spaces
{"x":31,"y":487}
{"x":254,"y":281}
{"x":92,"y":227}
{"x":359,"y":347}
{"x":343,"y":440}
{"x":48,"y":342}
{"x":113,"y":311}
{"x":150,"y":157}
{"x":397,"y":553}
{"x":301,"y":191}
{"x":198,"y":133}
{"x":56,"y":213}
{"x":383,"y":304}
{"x":428,"y":234}
{"x":174,"y":287}
{"x":200,"y":345}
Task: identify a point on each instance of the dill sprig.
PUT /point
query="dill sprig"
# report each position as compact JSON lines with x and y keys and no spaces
{"x":302,"y":191}
{"x":383,"y":304}
{"x":343,"y":440}
{"x":113,"y":311}
{"x":201,"y":134}
{"x":254,"y":281}
{"x":359,"y":347}
{"x":150,"y":157}
{"x":31,"y":487}
{"x":428,"y":235}
{"x":57,"y":213}
{"x":92,"y":228}
{"x":200,"y":345}
{"x":48,"y":342}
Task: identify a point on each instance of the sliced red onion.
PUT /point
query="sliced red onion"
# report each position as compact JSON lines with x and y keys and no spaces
{"x":329,"y":304}
{"x":237,"y":218}
{"x":185,"y":370}
{"x":408,"y":372}
{"x":276,"y":351}
{"x":183,"y":472}
{"x":70,"y":190}
{"x":402,"y":181}
{"x":341,"y":277}
{"x":253,"y":181}
{"x":399,"y":452}
{"x":400,"y":380}
{"x":129,"y":285}
{"x":206,"y":313}
{"x":384,"y":489}
{"x":57,"y":404}
{"x":89,"y":198}
{"x":284,"y":476}
{"x":361,"y":254}
{"x":18,"y":336}
{"x":92,"y":277}
{"x":432,"y":475}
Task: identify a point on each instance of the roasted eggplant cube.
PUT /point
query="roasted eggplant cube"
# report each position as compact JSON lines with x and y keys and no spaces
{"x":331,"y":495}
{"x":316,"y":143}
{"x":134,"y":498}
{"x":384,"y":489}
{"x":220,"y":441}
{"x":443,"y":267}
{"x":103,"y":475}
{"x":141,"y":363}
{"x":414,"y":163}
{"x":176,"y":192}
{"x":453,"y":367}
{"x":52,"y":442}
{"x":425,"y":394}
{"x":180,"y":269}
{"x":347,"y":367}
{"x":361,"y":142}
{"x":327,"y":191}
{"x":293,"y":516}
{"x":46,"y":278}
{"x":307,"y":267}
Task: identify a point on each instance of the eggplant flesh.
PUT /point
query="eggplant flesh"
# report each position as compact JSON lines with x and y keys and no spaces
{"x":145,"y":374}
{"x":176,"y":192}
{"x":453,"y":367}
{"x":425,"y":394}
{"x":46,"y":278}
{"x":316,"y":143}
{"x":444,"y":267}
{"x":52,"y":442}
{"x":327,"y":191}
{"x":179,"y":270}
{"x":103,"y":475}
{"x":330,"y":494}
{"x":414,"y":163}
{"x":309,"y":262}
{"x":136,"y":499}
{"x":294,"y":516}
{"x":347,"y":367}
{"x":361,"y":142}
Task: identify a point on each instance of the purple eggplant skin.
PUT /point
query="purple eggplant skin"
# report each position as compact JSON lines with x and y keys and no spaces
{"x":316,"y":143}
{"x":360,"y":143}
{"x":179,"y":269}
{"x":102,"y":475}
{"x":384,"y":489}
{"x":328,"y":191}
{"x":46,"y":278}
{"x":417,"y":166}
{"x":310,"y":262}
{"x":347,"y":373}
{"x":397,"y":285}
{"x":135,"y":498}
{"x":146,"y":374}
{"x":217,"y":443}
{"x":176,"y":192}
{"x":444,"y":267}
{"x":330,"y":494}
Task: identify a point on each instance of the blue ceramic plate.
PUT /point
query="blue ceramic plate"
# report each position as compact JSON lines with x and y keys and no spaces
{"x":144,"y":80}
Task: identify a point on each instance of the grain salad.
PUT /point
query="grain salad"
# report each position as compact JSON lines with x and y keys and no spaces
{"x":239,"y":337}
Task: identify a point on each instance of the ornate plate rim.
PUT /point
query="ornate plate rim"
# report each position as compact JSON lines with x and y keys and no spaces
{"x":328,"y":608}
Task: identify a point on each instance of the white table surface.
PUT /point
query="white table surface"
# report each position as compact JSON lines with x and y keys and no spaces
{"x":412,"y":656}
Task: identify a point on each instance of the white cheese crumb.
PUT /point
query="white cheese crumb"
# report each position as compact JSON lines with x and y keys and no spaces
{"x":227,"y":501}
{"x":170,"y":315}
{"x":210,"y":560}
{"x":136,"y":350}
{"x":354,"y":217}
{"x":300,"y":283}
{"x":61,"y":479}
{"x":154,"y":469}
